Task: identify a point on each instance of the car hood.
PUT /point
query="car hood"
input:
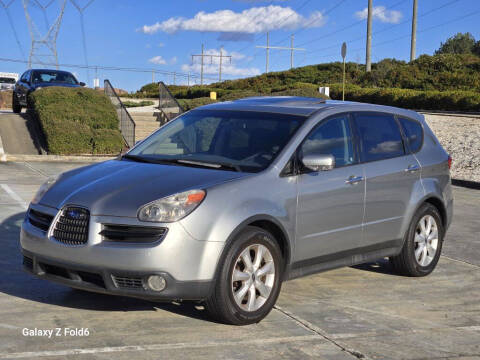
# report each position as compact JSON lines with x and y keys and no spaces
{"x":47,"y":84}
{"x":119,"y":188}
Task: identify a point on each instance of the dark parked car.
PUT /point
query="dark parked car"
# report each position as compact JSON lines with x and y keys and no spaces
{"x":36,"y":79}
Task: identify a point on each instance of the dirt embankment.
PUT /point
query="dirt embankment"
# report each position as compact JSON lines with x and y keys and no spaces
{"x":5,"y":99}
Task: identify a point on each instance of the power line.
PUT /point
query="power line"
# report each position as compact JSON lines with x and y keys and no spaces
{"x":344,"y":28}
{"x":408,"y":35}
{"x":111,"y":68}
{"x":6,"y":6}
{"x":386,"y":28}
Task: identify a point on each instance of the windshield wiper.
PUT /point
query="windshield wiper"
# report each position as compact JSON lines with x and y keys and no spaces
{"x":214,"y":165}
{"x":149,"y":160}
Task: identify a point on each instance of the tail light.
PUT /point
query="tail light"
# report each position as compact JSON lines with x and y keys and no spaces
{"x":449,"y":162}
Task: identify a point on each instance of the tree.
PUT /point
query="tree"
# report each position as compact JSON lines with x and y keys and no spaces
{"x":476,"y":48}
{"x":458,"y":44}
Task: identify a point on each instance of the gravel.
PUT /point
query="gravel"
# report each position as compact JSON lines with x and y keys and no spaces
{"x":460,"y":136}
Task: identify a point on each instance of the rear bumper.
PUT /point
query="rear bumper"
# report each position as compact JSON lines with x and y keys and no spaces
{"x":102,"y":280}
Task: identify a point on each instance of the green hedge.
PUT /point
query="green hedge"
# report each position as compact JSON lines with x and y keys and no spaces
{"x":411,"y":99}
{"x":77,"y":121}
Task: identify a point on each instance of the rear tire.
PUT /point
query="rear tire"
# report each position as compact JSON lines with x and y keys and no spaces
{"x":249,"y":279}
{"x":16,"y":107}
{"x":422,"y":244}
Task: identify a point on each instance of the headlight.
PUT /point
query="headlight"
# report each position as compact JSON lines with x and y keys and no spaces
{"x":38,"y":88}
{"x":171,"y":208}
{"x":44,"y":188}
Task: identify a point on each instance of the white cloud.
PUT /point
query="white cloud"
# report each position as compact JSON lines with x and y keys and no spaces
{"x":381,"y":13}
{"x":157,"y":60}
{"x":211,"y":65}
{"x":253,"y":20}
{"x":161,"y":45}
{"x":173,"y":60}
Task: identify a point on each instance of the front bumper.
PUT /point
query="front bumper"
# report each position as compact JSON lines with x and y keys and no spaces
{"x":105,"y":281}
{"x":188,"y":265}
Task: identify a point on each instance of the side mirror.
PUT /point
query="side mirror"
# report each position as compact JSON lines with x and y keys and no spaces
{"x":82,"y":83}
{"x":318,"y":162}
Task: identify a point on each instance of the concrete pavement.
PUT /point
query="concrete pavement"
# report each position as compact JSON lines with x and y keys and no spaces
{"x":360,"y":312}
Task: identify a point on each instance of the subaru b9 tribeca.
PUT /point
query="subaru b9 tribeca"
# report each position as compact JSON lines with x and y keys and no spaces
{"x":227,"y":201}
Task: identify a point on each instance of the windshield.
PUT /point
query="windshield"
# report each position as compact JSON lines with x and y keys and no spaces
{"x":245,"y":141}
{"x":6,"y":80}
{"x":53,"y":77}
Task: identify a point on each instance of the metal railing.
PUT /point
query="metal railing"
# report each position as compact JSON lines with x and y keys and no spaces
{"x":125,"y":121}
{"x":167,"y":102}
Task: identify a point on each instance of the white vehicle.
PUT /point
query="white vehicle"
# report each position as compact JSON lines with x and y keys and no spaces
{"x":8,"y":80}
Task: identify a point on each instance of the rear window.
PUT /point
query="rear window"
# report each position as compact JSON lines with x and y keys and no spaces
{"x":380,"y":136}
{"x":413,"y":133}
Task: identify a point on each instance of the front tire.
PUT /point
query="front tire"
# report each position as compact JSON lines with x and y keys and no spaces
{"x":422,"y":245}
{"x":249,"y":279}
{"x":16,"y":107}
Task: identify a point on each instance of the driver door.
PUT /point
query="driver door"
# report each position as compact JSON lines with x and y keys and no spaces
{"x":330,"y":203}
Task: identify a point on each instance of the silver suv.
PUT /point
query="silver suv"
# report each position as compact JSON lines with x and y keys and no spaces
{"x":227,"y":201}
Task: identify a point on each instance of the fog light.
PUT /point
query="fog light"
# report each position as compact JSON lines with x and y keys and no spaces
{"x":156,"y":282}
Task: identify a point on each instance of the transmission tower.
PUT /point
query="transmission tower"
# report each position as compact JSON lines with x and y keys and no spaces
{"x":81,"y":10}
{"x":44,"y":45}
{"x":6,"y":7}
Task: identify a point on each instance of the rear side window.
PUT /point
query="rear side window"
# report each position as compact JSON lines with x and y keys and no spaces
{"x":380,"y":136}
{"x":413,"y":132}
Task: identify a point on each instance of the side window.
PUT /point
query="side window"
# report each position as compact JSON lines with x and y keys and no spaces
{"x":333,"y":137}
{"x":24,"y":77}
{"x":413,"y":132}
{"x":380,"y":136}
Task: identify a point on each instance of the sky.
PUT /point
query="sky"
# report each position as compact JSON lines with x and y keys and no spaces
{"x":163,"y":35}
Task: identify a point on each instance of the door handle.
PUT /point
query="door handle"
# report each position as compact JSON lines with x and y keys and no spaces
{"x":412,"y":168}
{"x":352,"y":180}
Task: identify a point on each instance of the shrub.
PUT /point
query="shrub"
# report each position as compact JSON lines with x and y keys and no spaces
{"x":77,"y":121}
{"x":188,"y":104}
{"x":411,"y":99}
{"x":130,"y":104}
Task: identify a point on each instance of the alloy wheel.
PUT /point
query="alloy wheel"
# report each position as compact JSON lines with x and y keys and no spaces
{"x":253,"y":277}
{"x":426,"y":240}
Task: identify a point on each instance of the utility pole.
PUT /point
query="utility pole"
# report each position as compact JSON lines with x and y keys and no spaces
{"x":291,"y":48}
{"x":211,"y":56}
{"x":153,"y":76}
{"x":369,"y":37}
{"x":414,"y":31}
{"x":201,"y":56}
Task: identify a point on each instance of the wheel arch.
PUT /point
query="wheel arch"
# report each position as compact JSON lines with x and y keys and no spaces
{"x":268,"y":223}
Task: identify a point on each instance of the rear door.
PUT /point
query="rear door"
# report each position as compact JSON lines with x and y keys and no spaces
{"x":330,"y":203}
{"x":391,"y":173}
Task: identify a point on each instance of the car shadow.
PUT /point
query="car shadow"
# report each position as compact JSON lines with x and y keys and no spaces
{"x":18,"y":283}
{"x":381,"y":266}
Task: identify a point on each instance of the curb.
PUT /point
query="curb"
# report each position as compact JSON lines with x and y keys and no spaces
{"x":475,"y":185}
{"x":54,"y":158}
{"x":3,"y":156}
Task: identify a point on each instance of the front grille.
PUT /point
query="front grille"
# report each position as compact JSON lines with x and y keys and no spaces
{"x":133,"y":234}
{"x":91,"y":278}
{"x":88,"y":277}
{"x":28,"y":262}
{"x":71,"y":227}
{"x":127,"y":282}
{"x":39,"y":219}
{"x":55,"y":270}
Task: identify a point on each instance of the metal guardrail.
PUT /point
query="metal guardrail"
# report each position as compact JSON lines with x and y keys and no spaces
{"x":167,"y":102}
{"x":126,"y":123}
